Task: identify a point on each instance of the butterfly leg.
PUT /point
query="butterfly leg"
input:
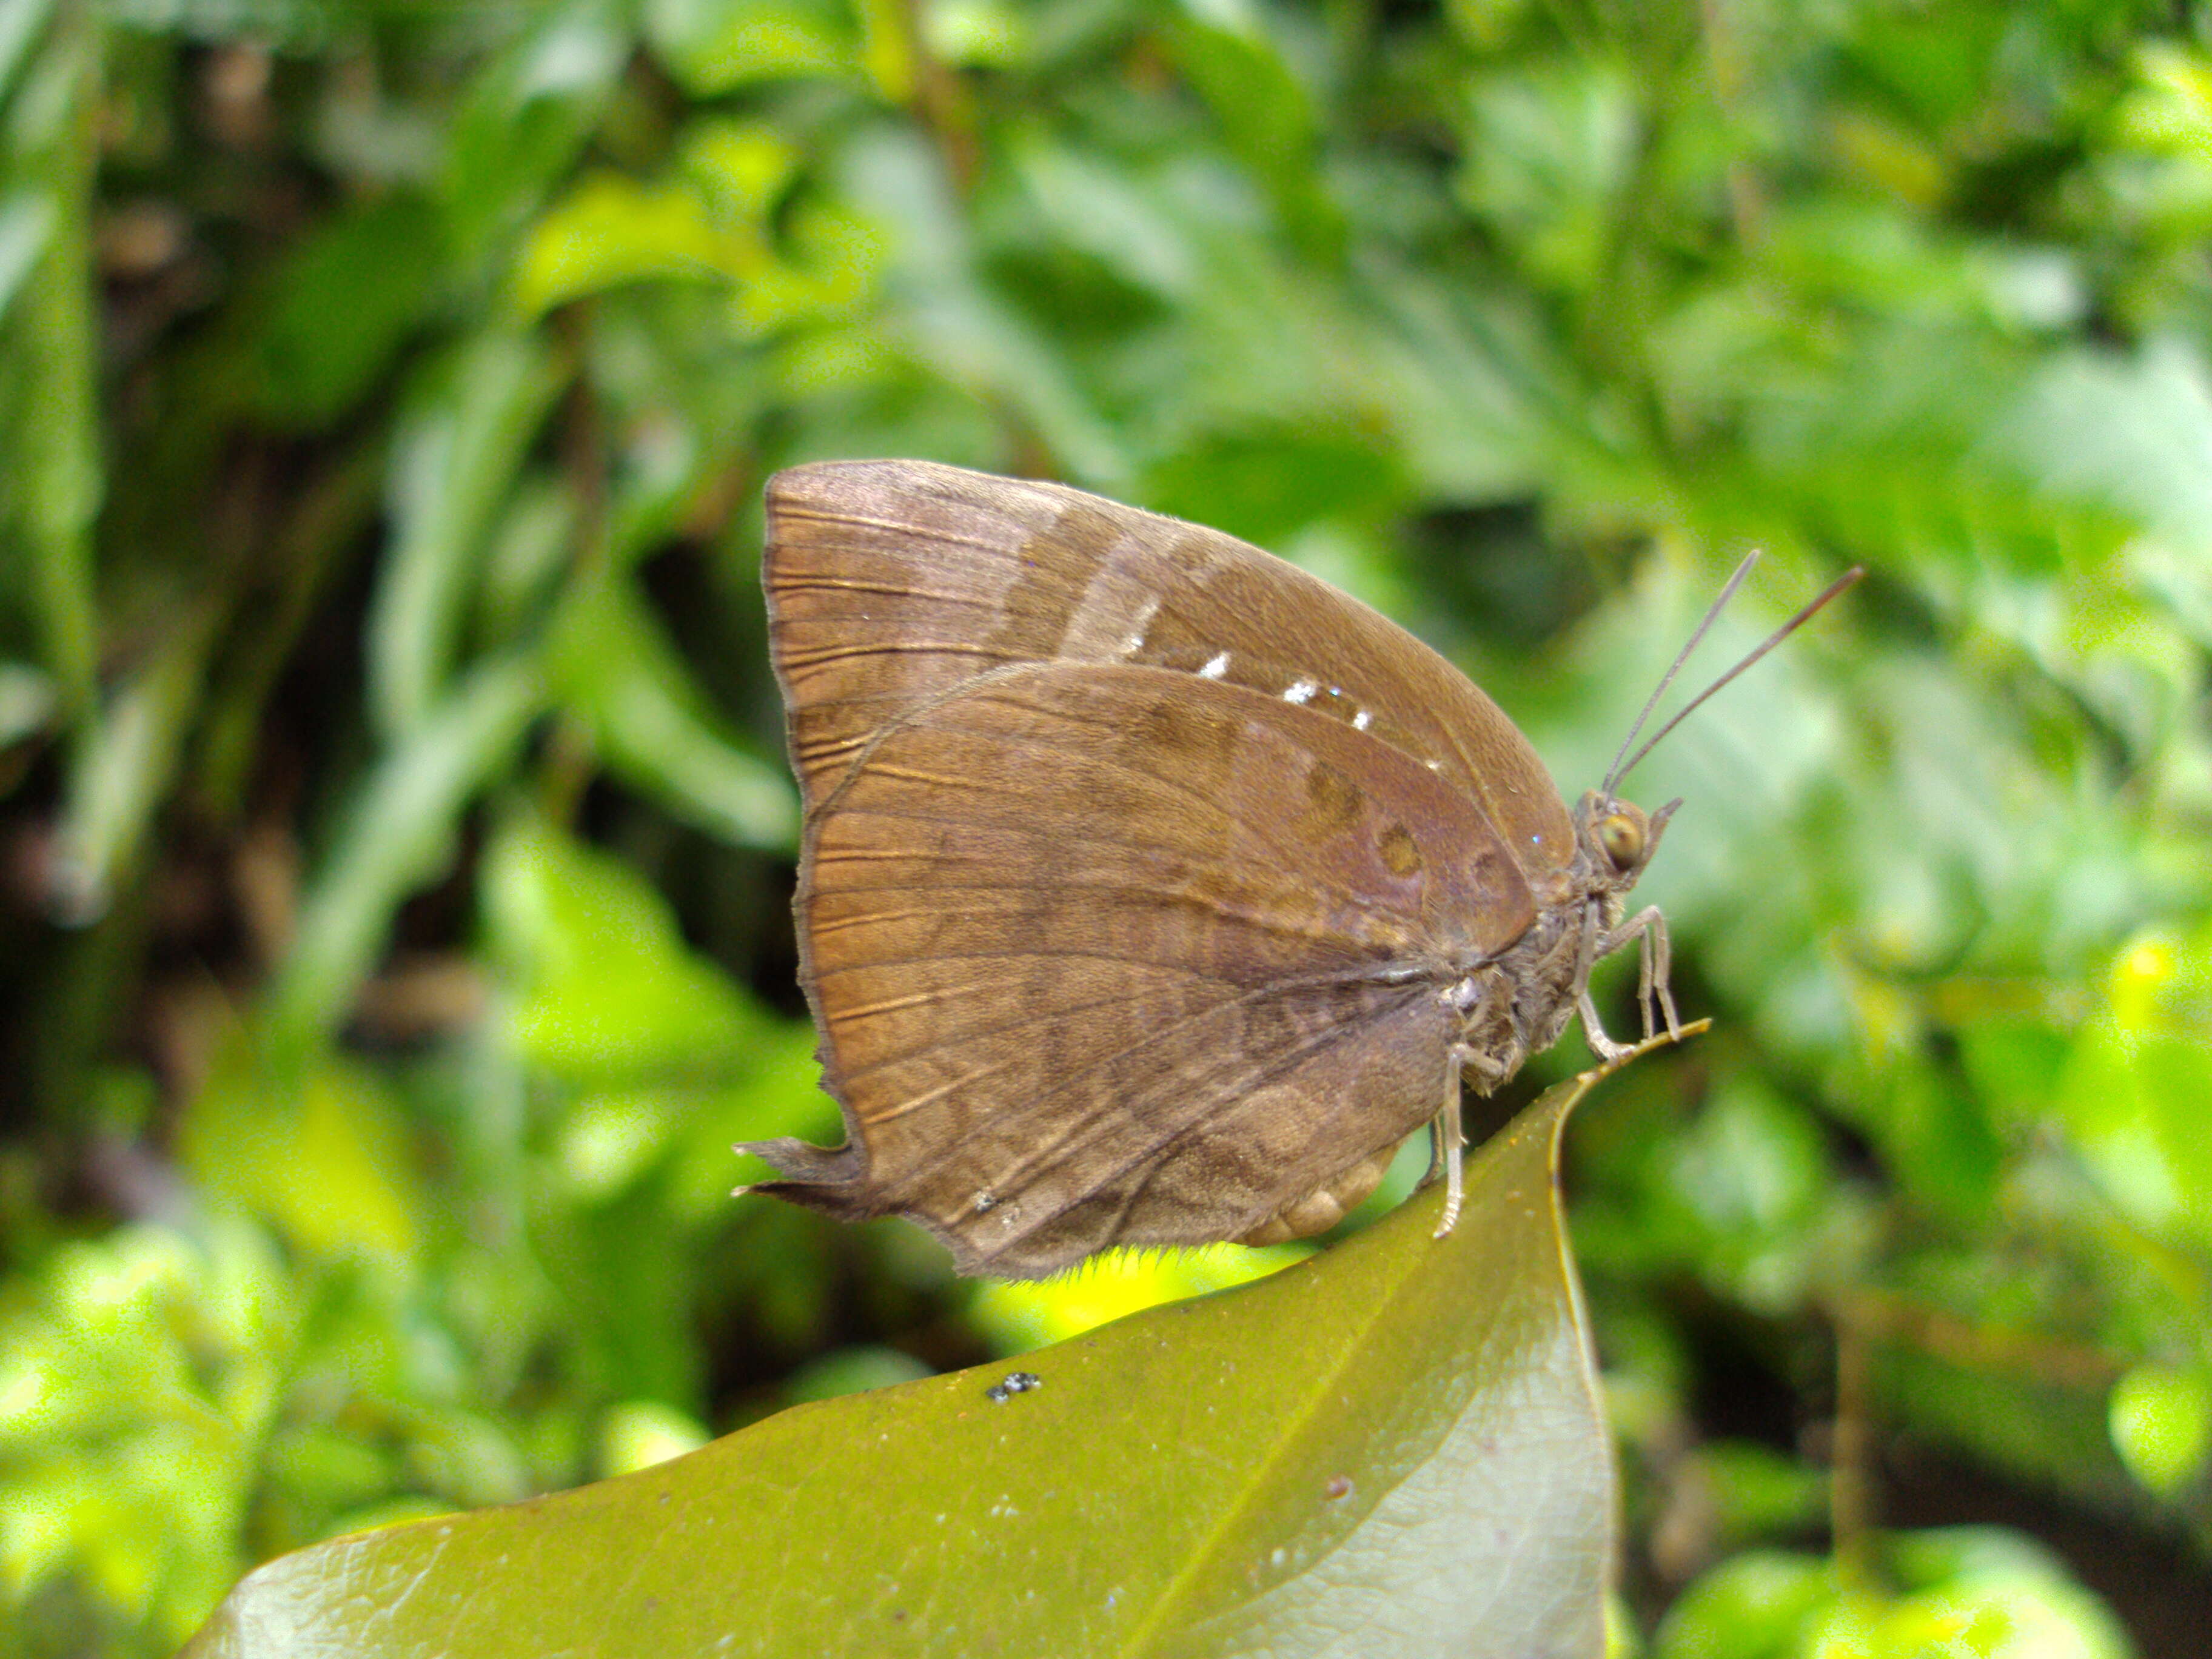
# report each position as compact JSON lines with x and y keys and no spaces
{"x":1649,"y":928}
{"x":1449,"y":1142}
{"x":1595,"y":943}
{"x":1593,"y":1033}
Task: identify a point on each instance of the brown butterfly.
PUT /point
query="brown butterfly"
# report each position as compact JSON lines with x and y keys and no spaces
{"x":1152,"y":890}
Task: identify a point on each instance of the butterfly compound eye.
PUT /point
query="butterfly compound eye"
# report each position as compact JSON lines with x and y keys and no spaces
{"x":1623,"y":839}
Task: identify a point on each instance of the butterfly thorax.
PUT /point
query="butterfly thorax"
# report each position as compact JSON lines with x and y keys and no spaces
{"x":1520,"y":1001}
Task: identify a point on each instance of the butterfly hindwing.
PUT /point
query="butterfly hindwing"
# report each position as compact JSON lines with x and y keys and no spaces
{"x":1109,"y":954}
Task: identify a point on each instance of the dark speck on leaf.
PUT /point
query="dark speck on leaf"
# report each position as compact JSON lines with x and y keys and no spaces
{"x":1339,"y":1486}
{"x":1017,"y":1383}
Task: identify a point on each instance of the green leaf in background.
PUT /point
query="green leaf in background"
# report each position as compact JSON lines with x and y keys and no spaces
{"x":641,"y":1433}
{"x":53,"y":484}
{"x":453,"y":466}
{"x":137,"y":1375}
{"x":711,"y":220}
{"x":323,"y":1154}
{"x":1549,"y":153}
{"x":1265,"y":114}
{"x":957,"y":323}
{"x":27,"y":701}
{"x":524,"y":119}
{"x":1977,"y":1592}
{"x":604,"y":990}
{"x":1391,"y":1448}
{"x":657,"y":1060}
{"x":129,"y":760}
{"x":714,"y":45}
{"x":27,"y":219}
{"x":1759,"y":1492}
{"x":20,"y":25}
{"x":346,"y":301}
{"x":609,"y":231}
{"x":616,"y":670}
{"x":2162,"y":1424}
{"x":409,"y":807}
{"x":2133,"y":1094}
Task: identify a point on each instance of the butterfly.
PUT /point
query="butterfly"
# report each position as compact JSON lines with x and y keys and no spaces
{"x":1153,"y":890}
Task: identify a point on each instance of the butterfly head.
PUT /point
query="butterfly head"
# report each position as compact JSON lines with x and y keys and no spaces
{"x":1617,"y":838}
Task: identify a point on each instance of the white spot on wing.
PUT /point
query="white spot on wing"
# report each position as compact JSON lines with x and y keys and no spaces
{"x":1110,"y":622}
{"x":1362,"y":720}
{"x":1300,"y":691}
{"x":1216,"y":666}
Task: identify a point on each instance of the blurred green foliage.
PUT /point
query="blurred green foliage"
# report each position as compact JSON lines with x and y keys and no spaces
{"x":395,"y":837}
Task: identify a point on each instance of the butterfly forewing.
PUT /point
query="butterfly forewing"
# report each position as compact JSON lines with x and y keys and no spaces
{"x":1109,"y":954}
{"x":892,"y":582}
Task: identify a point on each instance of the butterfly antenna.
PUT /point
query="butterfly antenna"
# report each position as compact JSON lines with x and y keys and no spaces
{"x":1712,"y":615}
{"x":1772,"y":640}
